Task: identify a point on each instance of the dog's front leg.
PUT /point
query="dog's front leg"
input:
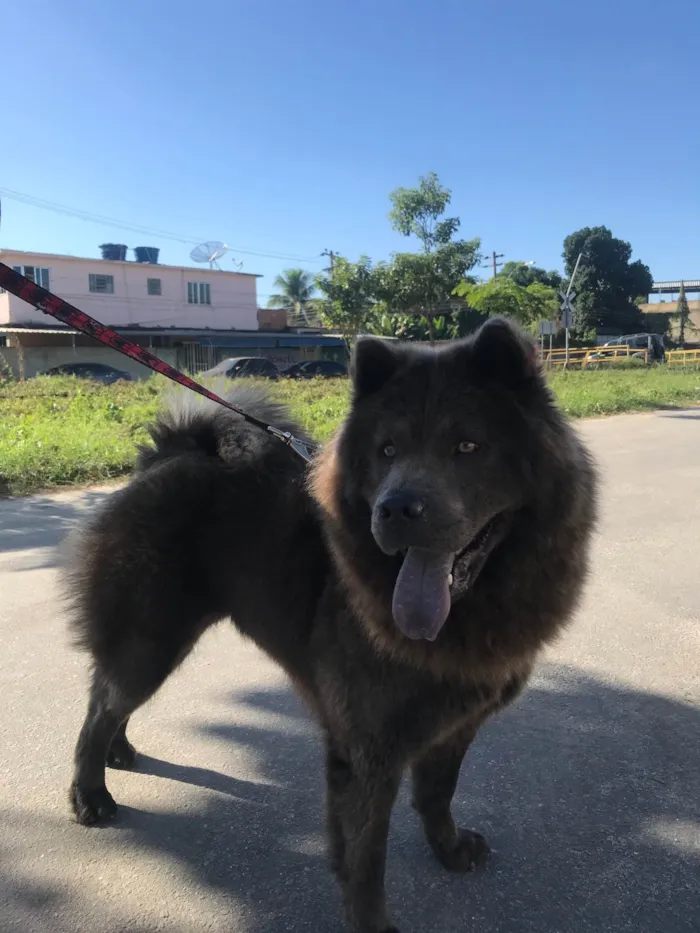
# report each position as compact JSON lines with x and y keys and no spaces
{"x":435,"y":777}
{"x":361,"y":794}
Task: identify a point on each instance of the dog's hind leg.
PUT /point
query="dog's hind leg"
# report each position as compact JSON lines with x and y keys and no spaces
{"x":118,"y":688}
{"x":122,"y":753}
{"x":435,"y":778}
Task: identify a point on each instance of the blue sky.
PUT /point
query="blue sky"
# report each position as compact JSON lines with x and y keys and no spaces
{"x":281,"y":128}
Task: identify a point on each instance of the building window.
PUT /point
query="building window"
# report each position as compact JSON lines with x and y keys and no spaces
{"x":103,"y":284}
{"x":198,"y":293}
{"x":34,"y":274}
{"x":153,"y":286}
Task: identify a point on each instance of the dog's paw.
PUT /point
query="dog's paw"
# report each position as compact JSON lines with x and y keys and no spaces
{"x":469,"y":853}
{"x":122,"y":755}
{"x":92,"y":806}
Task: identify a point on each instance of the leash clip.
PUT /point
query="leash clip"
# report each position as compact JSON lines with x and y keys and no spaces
{"x":298,"y":446}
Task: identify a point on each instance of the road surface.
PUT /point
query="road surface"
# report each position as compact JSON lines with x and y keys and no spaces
{"x":588,"y":789}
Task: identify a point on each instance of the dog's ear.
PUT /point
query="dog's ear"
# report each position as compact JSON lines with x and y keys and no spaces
{"x":374,"y":363}
{"x":502,"y":353}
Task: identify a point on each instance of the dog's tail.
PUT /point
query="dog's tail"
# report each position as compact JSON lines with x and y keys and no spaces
{"x":190,"y":423}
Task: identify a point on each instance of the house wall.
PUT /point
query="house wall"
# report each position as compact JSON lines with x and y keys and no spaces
{"x":233,"y":295}
{"x":38,"y":359}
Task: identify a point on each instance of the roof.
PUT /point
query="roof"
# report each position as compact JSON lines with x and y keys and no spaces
{"x":213,"y":338}
{"x":118,"y":262}
{"x":37,"y":330}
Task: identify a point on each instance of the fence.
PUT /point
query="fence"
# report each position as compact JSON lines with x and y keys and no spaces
{"x":679,"y":358}
{"x":592,"y":357}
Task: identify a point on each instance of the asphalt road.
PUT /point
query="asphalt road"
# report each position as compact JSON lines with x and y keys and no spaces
{"x":588,"y":789}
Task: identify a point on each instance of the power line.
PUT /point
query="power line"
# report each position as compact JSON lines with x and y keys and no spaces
{"x":80,"y":214}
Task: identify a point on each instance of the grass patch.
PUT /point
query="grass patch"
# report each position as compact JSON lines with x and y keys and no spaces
{"x":613,"y":391}
{"x":62,"y":431}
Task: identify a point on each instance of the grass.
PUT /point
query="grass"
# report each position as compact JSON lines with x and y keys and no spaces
{"x":63,"y":431}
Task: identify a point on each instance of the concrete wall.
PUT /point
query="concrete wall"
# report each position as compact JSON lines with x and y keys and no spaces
{"x":38,"y":359}
{"x":272,"y":318}
{"x":659,"y":316}
{"x":233,"y":295}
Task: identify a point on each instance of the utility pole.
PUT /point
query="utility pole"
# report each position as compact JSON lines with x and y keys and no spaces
{"x":567,"y":306}
{"x":331,"y":255}
{"x":494,"y":262}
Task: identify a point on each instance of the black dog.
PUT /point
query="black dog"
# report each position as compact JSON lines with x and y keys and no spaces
{"x":406,"y":589}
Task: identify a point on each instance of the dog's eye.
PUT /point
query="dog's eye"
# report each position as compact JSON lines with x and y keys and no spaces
{"x":467,"y":447}
{"x":389,"y":450}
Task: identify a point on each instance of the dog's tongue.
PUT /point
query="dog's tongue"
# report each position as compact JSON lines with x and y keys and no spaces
{"x":421,"y":600}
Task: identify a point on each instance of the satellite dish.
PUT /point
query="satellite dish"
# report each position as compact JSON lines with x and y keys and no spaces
{"x":209,"y":252}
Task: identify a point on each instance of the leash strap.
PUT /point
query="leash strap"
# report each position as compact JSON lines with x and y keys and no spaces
{"x":51,"y":304}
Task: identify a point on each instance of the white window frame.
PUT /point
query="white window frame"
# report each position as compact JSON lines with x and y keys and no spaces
{"x":198,"y":293}
{"x":43,"y":279}
{"x":92,"y":283}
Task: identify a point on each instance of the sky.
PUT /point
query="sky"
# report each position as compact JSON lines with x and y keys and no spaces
{"x":281,"y":128}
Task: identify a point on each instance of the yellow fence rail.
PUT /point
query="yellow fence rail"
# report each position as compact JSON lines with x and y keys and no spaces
{"x":592,"y":357}
{"x":677,"y":358}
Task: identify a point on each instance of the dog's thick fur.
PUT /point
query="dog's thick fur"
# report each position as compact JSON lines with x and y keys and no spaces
{"x":458,"y":452}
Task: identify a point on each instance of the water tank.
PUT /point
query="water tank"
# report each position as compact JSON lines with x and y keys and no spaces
{"x":146,"y":254}
{"x":114,"y":251}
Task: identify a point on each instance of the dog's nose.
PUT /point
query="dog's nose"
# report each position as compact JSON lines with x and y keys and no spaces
{"x":401,"y":506}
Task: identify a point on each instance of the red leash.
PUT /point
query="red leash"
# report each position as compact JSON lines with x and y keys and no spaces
{"x":51,"y":304}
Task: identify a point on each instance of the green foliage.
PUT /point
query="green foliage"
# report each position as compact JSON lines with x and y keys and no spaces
{"x":296,"y":290}
{"x":503,"y":297}
{"x":608,"y":283}
{"x":421,"y":284}
{"x":349,"y":290}
{"x":417,"y":212}
{"x":682,"y":319}
{"x":523,"y":274}
{"x":408,"y":327}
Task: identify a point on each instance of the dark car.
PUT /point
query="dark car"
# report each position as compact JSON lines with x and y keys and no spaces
{"x":653,"y":344}
{"x":313,"y":369}
{"x":240,"y":366}
{"x":99,"y":372}
{"x":293,"y":371}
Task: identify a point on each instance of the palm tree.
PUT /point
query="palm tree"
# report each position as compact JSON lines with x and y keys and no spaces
{"x":296,"y":289}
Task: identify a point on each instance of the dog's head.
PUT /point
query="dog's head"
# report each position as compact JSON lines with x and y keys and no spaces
{"x":435,"y":460}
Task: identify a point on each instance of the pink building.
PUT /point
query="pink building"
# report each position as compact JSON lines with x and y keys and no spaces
{"x":127,"y":294}
{"x":191,"y":317}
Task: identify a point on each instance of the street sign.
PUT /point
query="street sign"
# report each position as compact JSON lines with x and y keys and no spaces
{"x":547,"y":327}
{"x":567,"y":309}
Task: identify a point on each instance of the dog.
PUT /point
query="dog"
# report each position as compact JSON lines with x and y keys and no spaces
{"x":405,"y":582}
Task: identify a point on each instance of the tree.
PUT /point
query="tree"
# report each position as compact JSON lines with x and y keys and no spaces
{"x":523,"y":274}
{"x":608,"y":283}
{"x":296,"y":290}
{"x":681,"y":317}
{"x":421,"y":284}
{"x":504,"y":297}
{"x":350,"y":297}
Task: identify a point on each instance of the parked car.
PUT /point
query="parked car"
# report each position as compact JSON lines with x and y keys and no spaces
{"x":99,"y":372}
{"x":313,"y":369}
{"x":638,"y":343}
{"x":239,"y":366}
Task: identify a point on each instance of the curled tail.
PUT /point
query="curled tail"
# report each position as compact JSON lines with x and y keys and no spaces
{"x":190,"y":424}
